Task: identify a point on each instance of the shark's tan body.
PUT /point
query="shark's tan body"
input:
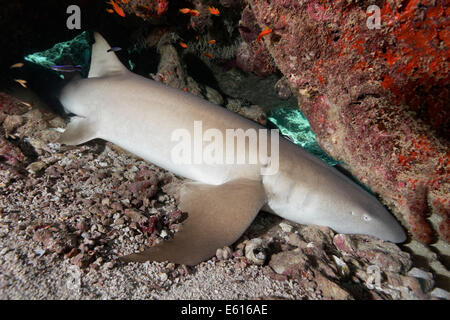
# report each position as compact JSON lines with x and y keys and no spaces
{"x":140,"y":116}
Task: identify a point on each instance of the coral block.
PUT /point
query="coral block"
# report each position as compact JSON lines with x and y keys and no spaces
{"x":377,"y":99}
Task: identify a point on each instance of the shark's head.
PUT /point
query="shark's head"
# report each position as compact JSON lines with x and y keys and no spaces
{"x":328,"y":198}
{"x":362,"y":213}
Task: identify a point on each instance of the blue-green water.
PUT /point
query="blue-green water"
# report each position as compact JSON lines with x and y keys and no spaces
{"x":293,"y":124}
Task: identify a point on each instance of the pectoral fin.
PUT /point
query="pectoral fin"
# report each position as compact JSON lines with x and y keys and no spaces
{"x":78,"y":131}
{"x":217,"y":216}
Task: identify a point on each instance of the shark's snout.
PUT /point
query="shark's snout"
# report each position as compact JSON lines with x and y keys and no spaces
{"x":392,"y":230}
{"x":398,"y":236}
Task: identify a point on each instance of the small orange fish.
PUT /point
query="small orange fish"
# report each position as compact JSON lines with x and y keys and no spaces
{"x":263,"y":33}
{"x":194,"y":13}
{"x":185,"y":10}
{"x":117,"y":9}
{"x":23,"y":83}
{"x":110,"y":10}
{"x":183,"y":45}
{"x":17,"y":65}
{"x":214,"y":11}
{"x":212,"y":41}
{"x":208,"y":55}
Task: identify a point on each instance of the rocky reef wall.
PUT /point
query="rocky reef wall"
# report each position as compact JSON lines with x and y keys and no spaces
{"x":377,"y":99}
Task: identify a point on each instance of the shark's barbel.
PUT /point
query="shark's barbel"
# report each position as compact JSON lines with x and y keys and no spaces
{"x":140,"y":115}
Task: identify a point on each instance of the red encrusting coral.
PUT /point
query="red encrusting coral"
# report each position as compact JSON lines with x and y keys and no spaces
{"x":419,"y":62}
{"x":376,"y":98}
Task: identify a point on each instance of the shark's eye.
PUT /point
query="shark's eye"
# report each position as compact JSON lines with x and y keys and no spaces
{"x":366,"y":217}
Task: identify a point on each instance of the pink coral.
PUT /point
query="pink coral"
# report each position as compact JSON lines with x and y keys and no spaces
{"x":317,"y":12}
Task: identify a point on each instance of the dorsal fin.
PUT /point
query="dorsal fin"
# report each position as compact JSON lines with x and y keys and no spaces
{"x":104,"y":63}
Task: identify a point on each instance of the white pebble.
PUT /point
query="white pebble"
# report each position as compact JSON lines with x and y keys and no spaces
{"x":440,"y":294}
{"x":286,"y":227}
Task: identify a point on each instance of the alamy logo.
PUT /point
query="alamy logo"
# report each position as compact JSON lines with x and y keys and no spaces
{"x":374,"y":277}
{"x":237,"y":146}
{"x":74,"y":20}
{"x":374,"y":21}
